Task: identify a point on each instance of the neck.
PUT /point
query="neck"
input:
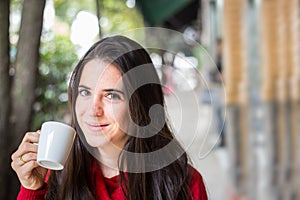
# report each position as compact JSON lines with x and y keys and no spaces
{"x":108,"y":160}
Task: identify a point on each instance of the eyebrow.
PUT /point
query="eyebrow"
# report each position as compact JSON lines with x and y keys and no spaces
{"x":104,"y":90}
{"x":113,"y":90}
{"x":83,"y":86}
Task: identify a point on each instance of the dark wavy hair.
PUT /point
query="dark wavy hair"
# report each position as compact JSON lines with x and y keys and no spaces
{"x":144,"y":178}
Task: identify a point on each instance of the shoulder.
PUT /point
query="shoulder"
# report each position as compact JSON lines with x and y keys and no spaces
{"x":197,"y":186}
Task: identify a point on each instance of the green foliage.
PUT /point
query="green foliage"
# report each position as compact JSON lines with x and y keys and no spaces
{"x":66,"y":10}
{"x":57,"y":59}
{"x":120,"y":17}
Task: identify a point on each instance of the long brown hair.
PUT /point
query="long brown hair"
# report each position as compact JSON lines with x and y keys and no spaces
{"x":143,"y":177}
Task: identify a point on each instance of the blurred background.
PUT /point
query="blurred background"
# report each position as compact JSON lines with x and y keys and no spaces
{"x":237,"y":62}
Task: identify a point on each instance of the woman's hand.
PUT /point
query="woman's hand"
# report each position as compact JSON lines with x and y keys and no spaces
{"x":24,"y":162}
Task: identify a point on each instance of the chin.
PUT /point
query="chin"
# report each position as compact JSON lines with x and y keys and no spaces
{"x":97,"y":142}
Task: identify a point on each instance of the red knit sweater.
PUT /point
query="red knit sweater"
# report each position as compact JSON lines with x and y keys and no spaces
{"x":109,"y":188}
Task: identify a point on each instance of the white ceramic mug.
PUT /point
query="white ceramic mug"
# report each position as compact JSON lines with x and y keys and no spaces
{"x":55,"y":144}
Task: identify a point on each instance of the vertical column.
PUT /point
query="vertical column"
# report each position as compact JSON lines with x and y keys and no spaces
{"x":236,"y":92}
{"x":294,"y":82}
{"x":284,"y":103}
{"x":269,"y":66}
{"x":280,"y":91}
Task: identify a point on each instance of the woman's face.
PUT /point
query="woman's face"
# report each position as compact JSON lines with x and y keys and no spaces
{"x":101,"y":108}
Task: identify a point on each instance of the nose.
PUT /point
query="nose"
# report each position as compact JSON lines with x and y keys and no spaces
{"x":97,"y":107}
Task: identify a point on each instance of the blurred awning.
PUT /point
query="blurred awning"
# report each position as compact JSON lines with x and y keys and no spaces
{"x":173,"y":14}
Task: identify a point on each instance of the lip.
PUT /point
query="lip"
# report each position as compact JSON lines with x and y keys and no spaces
{"x":96,"y":126}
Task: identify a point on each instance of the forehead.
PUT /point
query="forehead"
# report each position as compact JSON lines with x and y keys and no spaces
{"x":97,"y":72}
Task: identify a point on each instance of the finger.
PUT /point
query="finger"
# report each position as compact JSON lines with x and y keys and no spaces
{"x":25,"y":148}
{"x":31,"y":156}
{"x":25,"y":171}
{"x":16,"y":155}
{"x":17,"y":163}
{"x":31,"y":175}
{"x":13,"y":156}
{"x":32,"y":137}
{"x":28,"y":168}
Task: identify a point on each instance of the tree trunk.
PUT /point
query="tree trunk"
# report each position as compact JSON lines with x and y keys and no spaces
{"x":24,"y":80}
{"x":4,"y":93}
{"x":98,"y":9}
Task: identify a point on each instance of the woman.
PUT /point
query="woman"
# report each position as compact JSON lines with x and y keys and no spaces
{"x":124,"y":148}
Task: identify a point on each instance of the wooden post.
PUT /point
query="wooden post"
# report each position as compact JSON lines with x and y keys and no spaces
{"x":270,"y":63}
{"x":236,"y":92}
{"x":283,"y":98}
{"x":294,"y":82}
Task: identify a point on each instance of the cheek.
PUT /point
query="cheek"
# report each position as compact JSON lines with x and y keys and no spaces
{"x":120,"y":114}
{"x":79,"y":108}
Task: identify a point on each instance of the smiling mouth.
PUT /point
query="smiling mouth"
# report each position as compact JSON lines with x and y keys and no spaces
{"x":103,"y":126}
{"x":97,"y":127}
